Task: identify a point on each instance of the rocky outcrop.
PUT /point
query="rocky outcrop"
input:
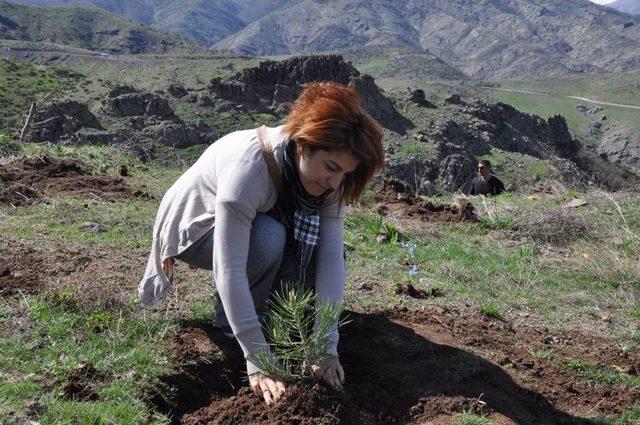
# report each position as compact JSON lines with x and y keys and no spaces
{"x":60,"y":120}
{"x":449,"y":147}
{"x":178,"y":135}
{"x":619,"y":145}
{"x":271,"y":84}
{"x":127,"y":102}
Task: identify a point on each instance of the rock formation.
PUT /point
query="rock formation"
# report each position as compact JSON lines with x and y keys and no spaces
{"x":271,"y":84}
{"x":59,"y":120}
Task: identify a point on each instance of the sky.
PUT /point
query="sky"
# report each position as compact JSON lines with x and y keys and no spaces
{"x":603,"y":1}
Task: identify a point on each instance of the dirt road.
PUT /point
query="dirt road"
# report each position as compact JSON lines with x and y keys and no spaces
{"x":584,"y":99}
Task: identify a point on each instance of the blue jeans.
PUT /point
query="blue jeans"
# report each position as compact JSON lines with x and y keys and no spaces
{"x":266,"y":249}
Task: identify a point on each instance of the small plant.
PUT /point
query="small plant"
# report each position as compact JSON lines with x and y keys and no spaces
{"x":392,"y":232}
{"x":541,"y":353}
{"x":470,"y":418}
{"x":376,"y":227}
{"x":99,"y":321}
{"x":295,"y":344}
{"x":491,"y":310}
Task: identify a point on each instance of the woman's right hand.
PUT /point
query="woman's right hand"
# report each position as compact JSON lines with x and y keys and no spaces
{"x":267,"y":387}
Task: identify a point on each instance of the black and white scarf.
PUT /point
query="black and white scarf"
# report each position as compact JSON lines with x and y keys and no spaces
{"x":303,"y":217}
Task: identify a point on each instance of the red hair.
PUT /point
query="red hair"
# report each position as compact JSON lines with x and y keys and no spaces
{"x":329,"y":116}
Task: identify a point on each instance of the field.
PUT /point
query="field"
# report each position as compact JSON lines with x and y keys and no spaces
{"x":527,"y":315}
{"x":522,"y":309}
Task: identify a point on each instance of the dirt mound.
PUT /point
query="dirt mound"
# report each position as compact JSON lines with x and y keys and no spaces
{"x":34,"y":179}
{"x":79,"y":383}
{"x":397,"y":198}
{"x":406,"y":367}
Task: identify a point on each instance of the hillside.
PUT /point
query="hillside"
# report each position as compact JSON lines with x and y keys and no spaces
{"x":627,"y":6}
{"x":203,"y":21}
{"x":91,"y":29}
{"x":483,"y":39}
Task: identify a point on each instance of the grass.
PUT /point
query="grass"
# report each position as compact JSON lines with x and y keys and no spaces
{"x":126,"y":350}
{"x":470,"y":418}
{"x":596,"y":374}
{"x":21,"y":84}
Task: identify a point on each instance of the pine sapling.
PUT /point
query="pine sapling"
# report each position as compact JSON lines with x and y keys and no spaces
{"x":294,"y":343}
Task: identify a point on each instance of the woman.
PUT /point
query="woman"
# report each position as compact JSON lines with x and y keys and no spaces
{"x":254,"y":193}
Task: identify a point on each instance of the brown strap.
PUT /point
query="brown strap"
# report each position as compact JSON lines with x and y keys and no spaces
{"x":272,"y":165}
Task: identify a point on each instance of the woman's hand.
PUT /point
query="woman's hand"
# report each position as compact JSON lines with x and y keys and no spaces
{"x":271,"y":389}
{"x":331,"y":371}
{"x":167,"y":267}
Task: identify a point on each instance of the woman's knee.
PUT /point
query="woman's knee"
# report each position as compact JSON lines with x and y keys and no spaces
{"x":268,"y":237}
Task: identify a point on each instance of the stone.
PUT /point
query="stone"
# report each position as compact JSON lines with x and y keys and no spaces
{"x":418,"y":96}
{"x":176,"y":90}
{"x":454,"y":99}
{"x":59,"y":120}
{"x":93,"y":227}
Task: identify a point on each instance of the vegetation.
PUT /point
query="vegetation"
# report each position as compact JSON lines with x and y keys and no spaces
{"x":295,"y":343}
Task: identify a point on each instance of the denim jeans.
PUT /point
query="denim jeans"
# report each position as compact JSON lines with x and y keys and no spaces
{"x":266,"y":250}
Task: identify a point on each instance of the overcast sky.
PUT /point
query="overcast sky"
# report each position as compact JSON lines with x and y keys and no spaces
{"x":603,"y":1}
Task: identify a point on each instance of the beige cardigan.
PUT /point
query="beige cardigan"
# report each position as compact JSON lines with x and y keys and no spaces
{"x":227,"y":186}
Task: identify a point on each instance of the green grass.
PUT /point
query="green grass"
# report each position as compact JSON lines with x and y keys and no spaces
{"x":596,"y":374}
{"x":21,"y":84}
{"x":127,"y":351}
{"x":491,"y":310}
{"x":470,"y":418}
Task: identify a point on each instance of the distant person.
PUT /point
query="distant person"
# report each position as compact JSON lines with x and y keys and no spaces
{"x":486,"y":183}
{"x":262,"y":200}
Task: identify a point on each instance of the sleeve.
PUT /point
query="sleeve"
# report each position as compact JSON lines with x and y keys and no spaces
{"x":240,"y":194}
{"x":331,"y":269}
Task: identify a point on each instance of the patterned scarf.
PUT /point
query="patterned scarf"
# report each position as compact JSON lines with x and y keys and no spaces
{"x":304,"y":217}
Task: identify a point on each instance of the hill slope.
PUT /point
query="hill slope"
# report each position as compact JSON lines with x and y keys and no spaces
{"x":627,"y":6}
{"x":485,"y":39}
{"x":203,"y":21}
{"x":91,"y":29}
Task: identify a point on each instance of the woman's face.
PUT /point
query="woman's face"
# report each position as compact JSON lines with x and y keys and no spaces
{"x":323,"y":171}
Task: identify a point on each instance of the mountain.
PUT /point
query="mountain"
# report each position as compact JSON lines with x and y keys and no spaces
{"x":483,"y":38}
{"x":91,"y":29}
{"x":627,"y":6}
{"x":203,"y":21}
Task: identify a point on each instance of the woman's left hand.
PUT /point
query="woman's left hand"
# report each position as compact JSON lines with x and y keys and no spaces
{"x":331,"y":371}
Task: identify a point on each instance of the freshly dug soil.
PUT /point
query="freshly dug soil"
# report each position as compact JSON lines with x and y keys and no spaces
{"x":79,"y":383}
{"x":36,"y":179}
{"x":396,"y":198}
{"x":407,"y":367}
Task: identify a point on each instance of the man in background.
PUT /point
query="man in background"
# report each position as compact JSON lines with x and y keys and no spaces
{"x":486,"y":183}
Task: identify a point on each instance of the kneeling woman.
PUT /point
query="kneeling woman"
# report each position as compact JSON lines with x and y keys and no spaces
{"x":253,"y":193}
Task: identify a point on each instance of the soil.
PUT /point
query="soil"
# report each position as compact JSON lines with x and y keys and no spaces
{"x":79,"y":383}
{"x":36,"y":179}
{"x":26,"y":269}
{"x":396,"y":198}
{"x":410,"y":368}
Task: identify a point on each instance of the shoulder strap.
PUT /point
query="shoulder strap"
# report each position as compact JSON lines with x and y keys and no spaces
{"x":272,"y":165}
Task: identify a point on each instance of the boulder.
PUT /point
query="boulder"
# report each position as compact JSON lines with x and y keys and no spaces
{"x":60,"y":120}
{"x":176,"y":90}
{"x":132,"y":104}
{"x":418,"y":96}
{"x":170,"y":133}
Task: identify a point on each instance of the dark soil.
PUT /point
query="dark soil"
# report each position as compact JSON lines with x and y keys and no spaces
{"x":28,"y":269}
{"x":397,"y":198}
{"x":36,"y":179}
{"x":407,"y":367}
{"x":79,"y":383}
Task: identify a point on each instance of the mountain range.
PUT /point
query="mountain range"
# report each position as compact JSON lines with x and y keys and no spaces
{"x":627,"y":6}
{"x":484,"y":39}
{"x":87,"y":28}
